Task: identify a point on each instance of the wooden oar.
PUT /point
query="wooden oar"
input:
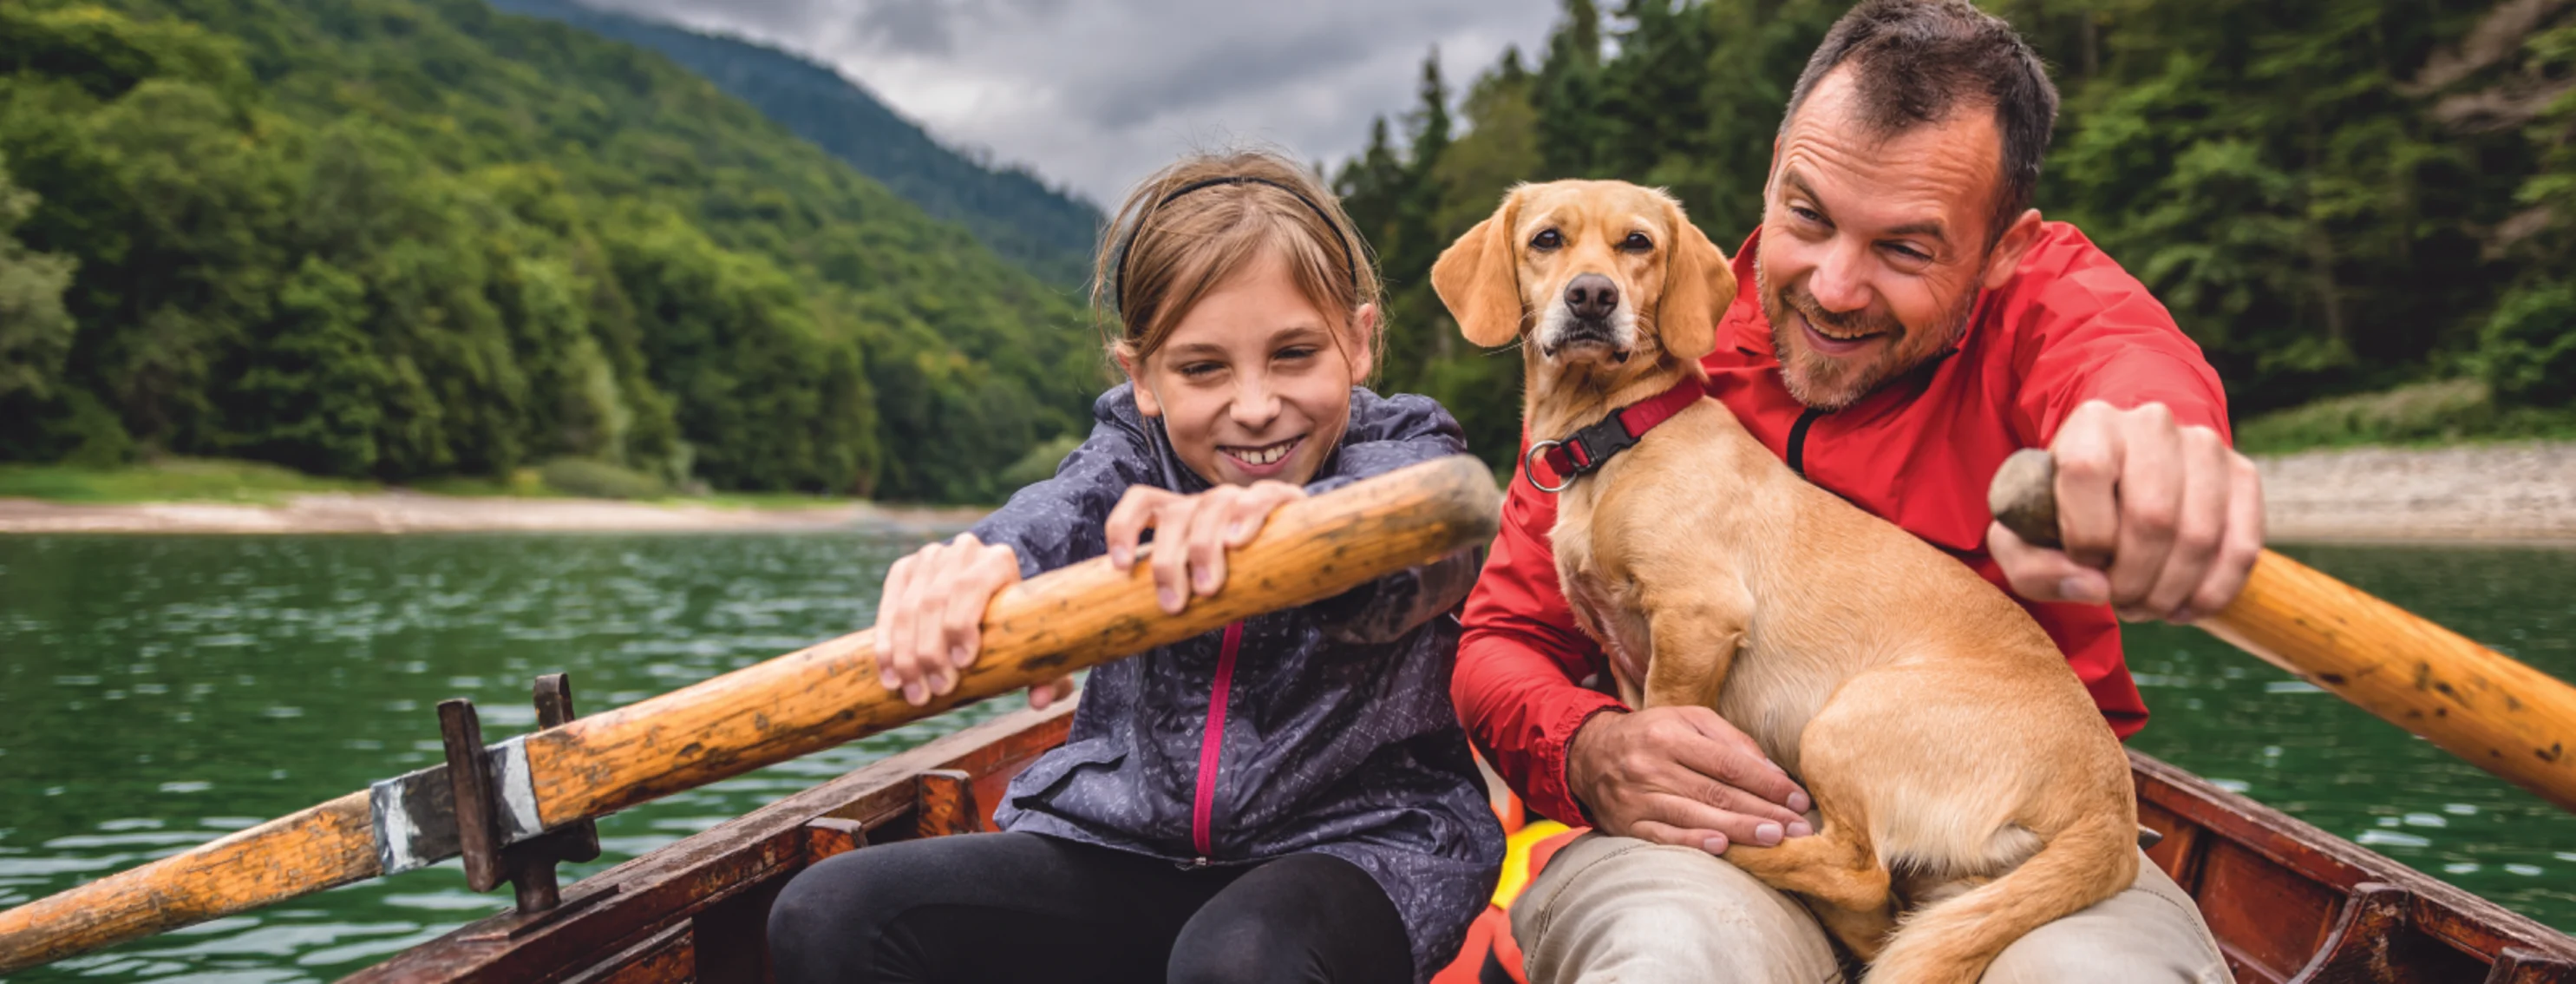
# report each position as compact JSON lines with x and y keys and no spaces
{"x":802,"y":702}
{"x":2474,"y":702}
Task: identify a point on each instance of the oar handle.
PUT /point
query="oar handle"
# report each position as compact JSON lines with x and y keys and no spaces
{"x":2473,"y":702}
{"x":805,"y":701}
{"x":1039,"y":630}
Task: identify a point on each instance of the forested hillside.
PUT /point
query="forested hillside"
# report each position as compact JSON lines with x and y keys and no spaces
{"x":400,"y":238}
{"x":1046,"y":231}
{"x":2331,"y":195}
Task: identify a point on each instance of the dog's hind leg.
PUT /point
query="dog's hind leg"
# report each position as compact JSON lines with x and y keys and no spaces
{"x":1839,"y":871}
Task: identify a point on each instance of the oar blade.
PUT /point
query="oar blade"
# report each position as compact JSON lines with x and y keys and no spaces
{"x":320,"y":847}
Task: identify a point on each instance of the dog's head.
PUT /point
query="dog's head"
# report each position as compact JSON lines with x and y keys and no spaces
{"x":1595,"y":273}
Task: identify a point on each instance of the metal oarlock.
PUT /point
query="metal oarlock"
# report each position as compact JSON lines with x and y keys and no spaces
{"x":485,"y":813}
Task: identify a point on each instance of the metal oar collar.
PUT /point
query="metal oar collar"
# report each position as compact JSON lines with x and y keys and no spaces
{"x":1584,"y":451}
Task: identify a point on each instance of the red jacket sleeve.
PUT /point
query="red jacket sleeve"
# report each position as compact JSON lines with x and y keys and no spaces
{"x":2095,"y":333}
{"x":1520,"y":657}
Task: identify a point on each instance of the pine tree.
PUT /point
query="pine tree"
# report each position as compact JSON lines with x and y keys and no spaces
{"x":1413,"y":311}
{"x":1568,"y":94}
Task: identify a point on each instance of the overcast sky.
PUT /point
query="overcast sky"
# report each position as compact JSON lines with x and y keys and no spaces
{"x":1097,"y":93}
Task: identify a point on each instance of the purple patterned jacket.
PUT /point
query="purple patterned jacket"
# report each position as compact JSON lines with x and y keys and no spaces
{"x":1325,"y":728}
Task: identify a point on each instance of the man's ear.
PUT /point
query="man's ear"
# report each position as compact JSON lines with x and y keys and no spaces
{"x":2005,"y":259}
{"x":1479,"y":279}
{"x":1698,"y":287}
{"x":1146,"y":403}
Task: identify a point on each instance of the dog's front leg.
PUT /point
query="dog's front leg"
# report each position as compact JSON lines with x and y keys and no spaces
{"x":1695,"y":639}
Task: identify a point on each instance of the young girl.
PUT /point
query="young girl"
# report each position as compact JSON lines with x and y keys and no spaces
{"x":1289,"y":799}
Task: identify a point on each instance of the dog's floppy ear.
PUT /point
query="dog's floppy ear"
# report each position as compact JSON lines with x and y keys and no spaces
{"x":1478,"y":278}
{"x":1698,"y":287}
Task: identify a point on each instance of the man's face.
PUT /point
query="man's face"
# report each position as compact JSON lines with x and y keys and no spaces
{"x":1872,"y":249}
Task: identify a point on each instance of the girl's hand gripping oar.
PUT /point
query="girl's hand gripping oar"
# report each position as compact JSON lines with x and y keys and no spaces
{"x":805,"y":701}
{"x":2474,"y":702}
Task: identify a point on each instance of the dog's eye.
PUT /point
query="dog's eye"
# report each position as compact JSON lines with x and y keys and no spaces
{"x":1637,"y":243}
{"x":1547,"y":239}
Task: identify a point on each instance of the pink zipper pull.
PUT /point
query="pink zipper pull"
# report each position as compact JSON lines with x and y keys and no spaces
{"x":1212,"y":745}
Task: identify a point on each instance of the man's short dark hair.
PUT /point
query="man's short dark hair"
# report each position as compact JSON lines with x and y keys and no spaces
{"x":1917,"y":61}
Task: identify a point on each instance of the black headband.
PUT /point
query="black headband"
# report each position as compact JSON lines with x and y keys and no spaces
{"x":1350,"y":262}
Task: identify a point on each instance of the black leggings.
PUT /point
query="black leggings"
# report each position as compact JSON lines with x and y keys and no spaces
{"x":1025,"y":907}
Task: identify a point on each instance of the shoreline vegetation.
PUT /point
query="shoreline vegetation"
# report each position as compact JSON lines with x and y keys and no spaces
{"x":197,"y":495}
{"x":2511,"y":492}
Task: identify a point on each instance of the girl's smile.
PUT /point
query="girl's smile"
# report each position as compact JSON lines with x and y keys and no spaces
{"x":1264,"y":461}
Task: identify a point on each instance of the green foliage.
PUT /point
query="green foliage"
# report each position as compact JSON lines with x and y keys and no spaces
{"x":2333,"y":196}
{"x":413,"y":238}
{"x":35,"y":330}
{"x":1047,"y":231}
{"x":2527,"y":348}
{"x":2528,"y":351}
{"x":600,"y":480}
{"x":1039,"y":464}
{"x":166,"y":480}
{"x":2273,"y":173}
{"x":2443,"y":412}
{"x":2423,"y":412}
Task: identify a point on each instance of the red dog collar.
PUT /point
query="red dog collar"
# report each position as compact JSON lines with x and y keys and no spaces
{"x":1583,"y":452}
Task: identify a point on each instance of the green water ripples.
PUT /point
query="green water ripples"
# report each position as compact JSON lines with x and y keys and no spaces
{"x":156,"y":692}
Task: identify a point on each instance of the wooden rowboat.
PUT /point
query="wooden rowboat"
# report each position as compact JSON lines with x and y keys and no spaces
{"x":2288,"y":902}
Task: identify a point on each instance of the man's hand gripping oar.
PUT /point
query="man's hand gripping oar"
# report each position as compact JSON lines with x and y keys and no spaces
{"x":2474,"y":702}
{"x":1034,"y":632}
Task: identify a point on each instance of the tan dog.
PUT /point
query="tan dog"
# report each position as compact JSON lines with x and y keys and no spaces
{"x":1960,"y":768}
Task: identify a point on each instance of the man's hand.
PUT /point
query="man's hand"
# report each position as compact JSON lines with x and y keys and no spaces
{"x":1682,"y":776}
{"x":2159,"y":520}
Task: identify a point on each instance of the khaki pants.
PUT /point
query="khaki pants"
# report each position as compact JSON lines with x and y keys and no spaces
{"x":1614,"y":909}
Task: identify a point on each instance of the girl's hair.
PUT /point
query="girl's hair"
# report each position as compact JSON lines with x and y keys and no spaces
{"x":1186,"y":229}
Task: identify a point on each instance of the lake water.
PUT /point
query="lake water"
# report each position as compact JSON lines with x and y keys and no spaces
{"x":156,"y":692}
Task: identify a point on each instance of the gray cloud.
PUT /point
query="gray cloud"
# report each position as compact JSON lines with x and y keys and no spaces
{"x":925,"y":26}
{"x":1097,"y":94}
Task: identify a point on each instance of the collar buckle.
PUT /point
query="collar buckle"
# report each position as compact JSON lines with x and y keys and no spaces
{"x":1585,"y":451}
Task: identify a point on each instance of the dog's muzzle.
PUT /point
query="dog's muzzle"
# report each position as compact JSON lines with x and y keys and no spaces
{"x":1590,"y":317}
{"x":1585,"y":332}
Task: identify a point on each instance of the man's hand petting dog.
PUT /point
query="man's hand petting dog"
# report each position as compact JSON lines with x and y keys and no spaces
{"x":1685,"y":777}
{"x":2160,"y":520}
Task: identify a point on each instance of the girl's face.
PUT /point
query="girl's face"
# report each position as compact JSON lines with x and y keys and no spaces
{"x":1252,"y":384}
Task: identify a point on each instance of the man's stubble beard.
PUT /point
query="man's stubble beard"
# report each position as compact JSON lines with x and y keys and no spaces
{"x":1811,"y":377}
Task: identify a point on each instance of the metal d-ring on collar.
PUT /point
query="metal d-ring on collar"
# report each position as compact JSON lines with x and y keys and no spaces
{"x":1529,"y":467}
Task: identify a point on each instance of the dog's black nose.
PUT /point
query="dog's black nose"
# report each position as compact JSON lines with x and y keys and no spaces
{"x":1591,"y":297}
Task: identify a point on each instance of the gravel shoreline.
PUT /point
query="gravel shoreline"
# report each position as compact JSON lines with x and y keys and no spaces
{"x":2499,"y":493}
{"x":2496,"y":493}
{"x":411,"y":512}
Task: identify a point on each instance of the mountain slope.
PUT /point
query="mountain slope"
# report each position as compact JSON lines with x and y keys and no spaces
{"x":1044,"y":230}
{"x":410,"y":237}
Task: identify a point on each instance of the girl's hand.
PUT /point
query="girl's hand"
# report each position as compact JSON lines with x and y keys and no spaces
{"x":1191,"y":533}
{"x":929,"y":623}
{"x":1046,"y":694}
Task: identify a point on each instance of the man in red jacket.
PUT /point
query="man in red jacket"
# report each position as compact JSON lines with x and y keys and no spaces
{"x":1904,"y":320}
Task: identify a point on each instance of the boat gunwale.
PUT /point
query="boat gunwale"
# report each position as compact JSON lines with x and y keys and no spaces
{"x":645,"y":905}
{"x":628,"y":906}
{"x":2465,"y":921}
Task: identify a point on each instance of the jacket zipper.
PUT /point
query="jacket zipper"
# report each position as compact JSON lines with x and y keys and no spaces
{"x":1212,"y":747}
{"x":1797,"y":456}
